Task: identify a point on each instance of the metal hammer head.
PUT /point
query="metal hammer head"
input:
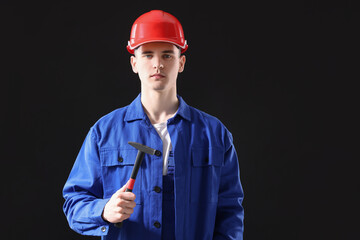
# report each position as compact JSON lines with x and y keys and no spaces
{"x":145,"y":149}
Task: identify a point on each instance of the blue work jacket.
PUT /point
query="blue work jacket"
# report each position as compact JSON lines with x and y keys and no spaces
{"x":208,"y":192}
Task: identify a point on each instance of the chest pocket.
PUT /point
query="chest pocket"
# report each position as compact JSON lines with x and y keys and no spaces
{"x":117,"y":165}
{"x":205,"y":174}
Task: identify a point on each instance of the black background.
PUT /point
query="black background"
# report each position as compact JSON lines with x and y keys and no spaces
{"x":280,"y":76}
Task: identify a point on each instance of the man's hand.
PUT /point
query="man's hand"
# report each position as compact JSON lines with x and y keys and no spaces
{"x":120,"y":206}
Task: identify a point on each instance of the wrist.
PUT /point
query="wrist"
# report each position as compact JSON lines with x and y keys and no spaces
{"x":103,"y":216}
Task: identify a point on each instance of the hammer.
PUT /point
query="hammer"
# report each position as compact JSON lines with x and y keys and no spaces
{"x":142,"y":149}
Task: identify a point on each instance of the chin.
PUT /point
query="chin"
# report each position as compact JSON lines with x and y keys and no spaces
{"x":159,"y":86}
{"x":159,"y":89}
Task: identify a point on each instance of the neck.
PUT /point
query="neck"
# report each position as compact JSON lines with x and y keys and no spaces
{"x":159,"y":106}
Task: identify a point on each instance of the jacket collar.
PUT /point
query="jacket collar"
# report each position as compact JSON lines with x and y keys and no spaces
{"x":135,"y":110}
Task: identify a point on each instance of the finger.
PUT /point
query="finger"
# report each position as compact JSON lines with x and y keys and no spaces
{"x":130,"y":196}
{"x":122,"y":189}
{"x":130,"y":204}
{"x":124,"y":217}
{"x":122,"y":202}
{"x":120,"y":215}
{"x":128,"y":211}
{"x":123,"y":210}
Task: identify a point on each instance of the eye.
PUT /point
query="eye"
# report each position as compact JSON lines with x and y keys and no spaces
{"x":167,"y":56}
{"x":149,"y":56}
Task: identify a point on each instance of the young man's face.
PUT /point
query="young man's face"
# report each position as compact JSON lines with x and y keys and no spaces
{"x":158,"y":65}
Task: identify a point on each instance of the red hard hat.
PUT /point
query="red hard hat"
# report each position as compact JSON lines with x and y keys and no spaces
{"x":156,"y":26}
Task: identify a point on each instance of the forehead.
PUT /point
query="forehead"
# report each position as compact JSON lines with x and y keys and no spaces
{"x":157,"y":47}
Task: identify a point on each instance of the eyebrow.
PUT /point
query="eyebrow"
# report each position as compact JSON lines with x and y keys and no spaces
{"x":165,"y":51}
{"x":168,"y":51}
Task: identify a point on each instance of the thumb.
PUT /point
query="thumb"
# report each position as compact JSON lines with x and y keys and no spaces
{"x":123,"y":188}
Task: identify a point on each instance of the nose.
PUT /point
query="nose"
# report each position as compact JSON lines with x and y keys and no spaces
{"x":157,"y":64}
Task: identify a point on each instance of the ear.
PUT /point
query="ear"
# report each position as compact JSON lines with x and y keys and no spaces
{"x":182,"y":63}
{"x":133,"y":64}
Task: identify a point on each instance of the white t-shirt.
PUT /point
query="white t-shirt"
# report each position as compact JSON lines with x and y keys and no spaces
{"x":161,"y":128}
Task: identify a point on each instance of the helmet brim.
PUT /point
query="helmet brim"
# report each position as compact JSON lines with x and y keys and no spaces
{"x":131,"y":48}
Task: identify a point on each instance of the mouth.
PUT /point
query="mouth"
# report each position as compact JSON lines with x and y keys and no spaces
{"x":157,"y":75}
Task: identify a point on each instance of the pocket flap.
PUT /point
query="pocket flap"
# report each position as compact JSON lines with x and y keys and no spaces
{"x":118,"y":157}
{"x":202,"y":157}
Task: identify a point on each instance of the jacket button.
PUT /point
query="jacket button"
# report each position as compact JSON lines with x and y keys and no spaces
{"x":120,"y":159}
{"x":157,"y":189}
{"x":103,"y":229}
{"x":158,"y":153}
{"x":157,"y":224}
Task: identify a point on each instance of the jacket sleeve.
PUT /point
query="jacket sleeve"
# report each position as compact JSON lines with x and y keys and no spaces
{"x":230,"y":213}
{"x":83,"y":192}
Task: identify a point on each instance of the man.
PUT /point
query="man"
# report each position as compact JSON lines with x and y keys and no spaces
{"x":191,"y":190}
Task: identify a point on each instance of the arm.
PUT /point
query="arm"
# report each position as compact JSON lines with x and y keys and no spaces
{"x":230,"y":213}
{"x":86,"y":211}
{"x":83,"y":192}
